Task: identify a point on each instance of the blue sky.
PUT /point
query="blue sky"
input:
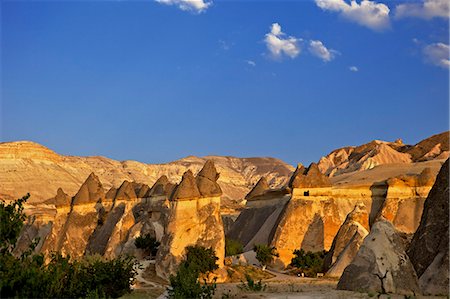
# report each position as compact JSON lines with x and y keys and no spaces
{"x":156,"y":81}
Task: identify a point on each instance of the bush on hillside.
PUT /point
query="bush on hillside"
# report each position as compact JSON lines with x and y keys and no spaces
{"x":233,"y":247}
{"x":185,"y":283}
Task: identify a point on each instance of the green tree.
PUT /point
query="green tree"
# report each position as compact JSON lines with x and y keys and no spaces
{"x":233,"y":247}
{"x":148,"y":244}
{"x":11,"y":223}
{"x":185,"y":284}
{"x":308,"y":262}
{"x":265,"y":254}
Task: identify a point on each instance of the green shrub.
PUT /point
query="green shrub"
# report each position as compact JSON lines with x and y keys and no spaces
{"x":185,"y":284}
{"x":251,"y":285}
{"x":233,"y":247}
{"x":28,"y":277}
{"x":309,"y":262}
{"x":265,"y":254}
{"x":148,"y":244}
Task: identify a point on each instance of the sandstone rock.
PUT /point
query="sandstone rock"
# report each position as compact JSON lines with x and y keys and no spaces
{"x":187,"y":189}
{"x":430,"y":147}
{"x":22,"y":170}
{"x":381,"y":264}
{"x":90,"y":192}
{"x":429,"y":248}
{"x":126,"y":191}
{"x":111,"y":194}
{"x":347,"y":241}
{"x":310,"y":178}
{"x":426,"y":177}
{"x":299,"y":171}
{"x":259,"y":189}
{"x":62,"y":199}
{"x":143,"y":191}
{"x":207,"y":180}
{"x":161,"y":187}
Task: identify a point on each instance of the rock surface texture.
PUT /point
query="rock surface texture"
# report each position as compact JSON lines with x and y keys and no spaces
{"x":381,"y":264}
{"x":194,"y":219}
{"x":347,"y":241}
{"x":429,"y":248}
{"x":30,"y":167}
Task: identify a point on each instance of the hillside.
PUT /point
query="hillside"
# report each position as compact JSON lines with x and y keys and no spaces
{"x":30,"y":167}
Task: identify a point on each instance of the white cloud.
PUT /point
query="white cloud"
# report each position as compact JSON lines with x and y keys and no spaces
{"x":251,"y":62}
{"x":437,"y":54}
{"x":224,"y":45}
{"x":427,"y":9}
{"x":188,"y":5}
{"x":318,"y":49}
{"x":353,"y":68}
{"x":367,"y":13}
{"x":280,"y":45}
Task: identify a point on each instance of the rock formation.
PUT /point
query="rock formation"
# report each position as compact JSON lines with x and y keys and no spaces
{"x":347,"y":241}
{"x":30,"y":167}
{"x":309,"y":178}
{"x":375,"y":153}
{"x":381,"y":264}
{"x":90,"y":192}
{"x":429,"y":248}
{"x":194,"y":219}
{"x":258,"y":190}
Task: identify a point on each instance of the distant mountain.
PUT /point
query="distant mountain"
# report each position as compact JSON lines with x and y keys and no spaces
{"x":30,"y":167}
{"x":367,"y":156}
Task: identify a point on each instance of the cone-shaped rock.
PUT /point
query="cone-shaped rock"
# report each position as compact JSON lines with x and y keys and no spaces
{"x":347,"y":241}
{"x":207,"y":180}
{"x":311,"y":178}
{"x":90,"y":192}
{"x":162,"y":186}
{"x":429,"y":248}
{"x":299,"y":171}
{"x":126,"y":191}
{"x":260,"y":188}
{"x":111,"y":194}
{"x":381,"y":264}
{"x":143,"y":191}
{"x":62,"y":199}
{"x":187,"y":188}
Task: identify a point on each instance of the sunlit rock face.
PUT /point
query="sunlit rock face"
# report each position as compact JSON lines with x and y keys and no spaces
{"x":28,"y":167}
{"x":347,"y":241}
{"x":194,"y":219}
{"x":376,"y":152}
{"x":313,"y":209}
{"x":429,"y":248}
{"x":381,"y":264}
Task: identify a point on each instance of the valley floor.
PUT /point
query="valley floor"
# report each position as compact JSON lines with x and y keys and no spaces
{"x":280,"y":286}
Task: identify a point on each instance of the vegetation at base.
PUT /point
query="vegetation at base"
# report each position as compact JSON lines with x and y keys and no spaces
{"x":28,"y":276}
{"x":185,"y":283}
{"x":309,"y":262}
{"x":148,"y":244}
{"x":265,"y":254}
{"x":251,"y":285}
{"x":233,"y":247}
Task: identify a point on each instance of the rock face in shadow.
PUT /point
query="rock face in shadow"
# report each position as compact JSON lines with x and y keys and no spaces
{"x":381,"y":264}
{"x":194,"y":219}
{"x":347,"y":241}
{"x":259,"y":189}
{"x":429,"y":248}
{"x":161,"y":187}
